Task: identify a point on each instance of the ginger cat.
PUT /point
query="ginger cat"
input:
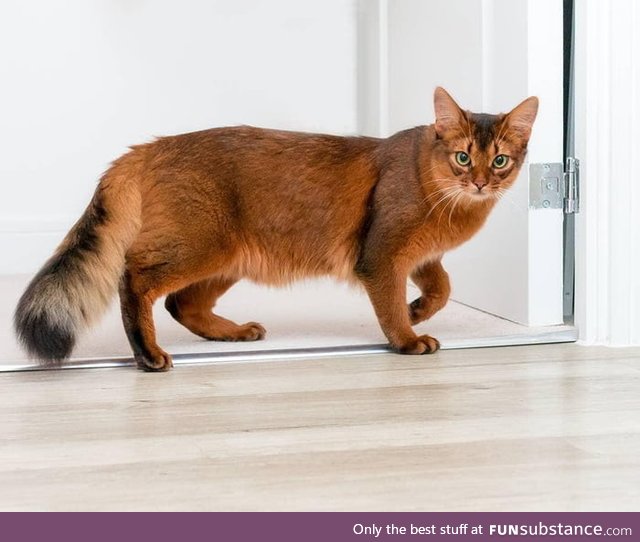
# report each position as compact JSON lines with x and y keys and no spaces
{"x":192,"y":214}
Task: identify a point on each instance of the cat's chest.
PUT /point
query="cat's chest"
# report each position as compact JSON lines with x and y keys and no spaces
{"x":444,"y":233}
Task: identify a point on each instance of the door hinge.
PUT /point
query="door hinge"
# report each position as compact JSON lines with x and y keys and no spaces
{"x":572,"y":186}
{"x":553,"y":187}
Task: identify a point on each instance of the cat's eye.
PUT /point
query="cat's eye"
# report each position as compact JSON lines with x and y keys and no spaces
{"x":463,"y":158}
{"x":500,"y":161}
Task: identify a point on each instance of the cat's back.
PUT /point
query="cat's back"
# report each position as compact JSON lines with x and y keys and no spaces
{"x":264,"y":148}
{"x":288,"y":172}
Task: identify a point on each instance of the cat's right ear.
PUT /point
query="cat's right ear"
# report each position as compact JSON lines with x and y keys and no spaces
{"x":449,"y":116}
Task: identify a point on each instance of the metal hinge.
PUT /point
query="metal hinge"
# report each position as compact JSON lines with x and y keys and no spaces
{"x":553,"y":187}
{"x":572,"y":186}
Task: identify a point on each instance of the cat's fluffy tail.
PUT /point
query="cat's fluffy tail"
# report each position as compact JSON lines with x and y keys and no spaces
{"x":75,"y":285}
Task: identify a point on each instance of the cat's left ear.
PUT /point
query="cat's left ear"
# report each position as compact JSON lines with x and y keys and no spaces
{"x":521,"y":117}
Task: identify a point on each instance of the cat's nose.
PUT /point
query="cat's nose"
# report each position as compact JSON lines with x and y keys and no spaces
{"x":480,"y":183}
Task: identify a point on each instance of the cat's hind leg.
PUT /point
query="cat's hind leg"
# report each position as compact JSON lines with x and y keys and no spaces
{"x":136,"y":303}
{"x":154,"y":269}
{"x":192,"y":307}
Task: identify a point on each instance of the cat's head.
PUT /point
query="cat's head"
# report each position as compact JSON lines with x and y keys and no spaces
{"x":476,"y":156}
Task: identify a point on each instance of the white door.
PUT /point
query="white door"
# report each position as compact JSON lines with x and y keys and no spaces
{"x":489,"y":55}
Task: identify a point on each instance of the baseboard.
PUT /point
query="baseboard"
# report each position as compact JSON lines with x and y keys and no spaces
{"x":27,"y":243}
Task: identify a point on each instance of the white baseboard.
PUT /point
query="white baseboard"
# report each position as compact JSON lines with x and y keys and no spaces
{"x":27,"y":243}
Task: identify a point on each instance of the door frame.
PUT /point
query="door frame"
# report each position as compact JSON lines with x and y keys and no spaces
{"x":607,"y":136}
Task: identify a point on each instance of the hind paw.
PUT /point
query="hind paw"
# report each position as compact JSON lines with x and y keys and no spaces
{"x":251,"y":331}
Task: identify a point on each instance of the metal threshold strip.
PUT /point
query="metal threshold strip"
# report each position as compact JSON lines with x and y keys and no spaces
{"x":563,"y":335}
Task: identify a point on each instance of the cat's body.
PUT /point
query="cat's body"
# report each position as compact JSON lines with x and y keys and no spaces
{"x":227,"y":178}
{"x":192,"y":214}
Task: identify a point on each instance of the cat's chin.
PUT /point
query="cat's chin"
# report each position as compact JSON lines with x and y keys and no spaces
{"x":477,"y":197}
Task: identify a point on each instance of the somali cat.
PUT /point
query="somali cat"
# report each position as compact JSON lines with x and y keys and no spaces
{"x":192,"y":214}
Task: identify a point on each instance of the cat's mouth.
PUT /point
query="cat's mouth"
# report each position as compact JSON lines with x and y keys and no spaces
{"x":479,"y":195}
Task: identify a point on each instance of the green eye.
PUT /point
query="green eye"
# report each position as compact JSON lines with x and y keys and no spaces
{"x":500,"y":161}
{"x":463,"y":158}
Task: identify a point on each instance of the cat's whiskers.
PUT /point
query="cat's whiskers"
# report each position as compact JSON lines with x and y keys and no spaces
{"x":438,"y":180}
{"x":436,"y":194}
{"x":455,"y":203}
{"x":450,"y":181}
{"x":502,"y":194}
{"x":451,"y":198}
{"x":442,"y":200}
{"x":429,"y":170}
{"x":451,"y":202}
{"x":440,"y":190}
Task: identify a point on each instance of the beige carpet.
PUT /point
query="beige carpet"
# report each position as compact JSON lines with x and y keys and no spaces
{"x":310,"y":315}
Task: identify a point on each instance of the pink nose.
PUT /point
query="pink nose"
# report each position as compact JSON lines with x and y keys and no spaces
{"x":480,"y":183}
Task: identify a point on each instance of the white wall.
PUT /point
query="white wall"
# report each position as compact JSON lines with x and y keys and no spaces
{"x":432,"y":43}
{"x":607,"y":115}
{"x":82,"y":80}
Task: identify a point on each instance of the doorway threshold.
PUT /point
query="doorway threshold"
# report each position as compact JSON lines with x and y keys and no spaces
{"x":312,"y":319}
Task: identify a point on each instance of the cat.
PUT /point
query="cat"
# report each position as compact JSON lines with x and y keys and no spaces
{"x":187,"y":216}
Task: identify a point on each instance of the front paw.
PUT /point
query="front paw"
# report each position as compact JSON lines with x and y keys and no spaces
{"x":155,"y":362}
{"x":423,"y":308}
{"x":424,"y":344}
{"x":418,"y":311}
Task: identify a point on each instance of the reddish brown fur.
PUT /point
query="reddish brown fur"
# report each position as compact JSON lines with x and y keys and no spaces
{"x":271,"y":206}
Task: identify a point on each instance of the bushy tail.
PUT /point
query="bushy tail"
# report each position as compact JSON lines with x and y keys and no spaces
{"x":76,"y":284}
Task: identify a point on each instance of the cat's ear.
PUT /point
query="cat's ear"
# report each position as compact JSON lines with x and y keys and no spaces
{"x":449,"y":116}
{"x":520,"y":118}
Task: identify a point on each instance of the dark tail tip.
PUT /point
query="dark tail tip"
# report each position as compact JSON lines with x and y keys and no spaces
{"x":41,"y":336}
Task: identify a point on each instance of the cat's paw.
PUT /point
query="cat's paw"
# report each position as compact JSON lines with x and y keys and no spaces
{"x":159,"y":361}
{"x":424,"y":344}
{"x":422,"y":309}
{"x":417,"y":312}
{"x":251,"y":332}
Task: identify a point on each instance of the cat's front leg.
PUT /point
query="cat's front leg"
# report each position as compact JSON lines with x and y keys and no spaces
{"x":433,"y":282}
{"x":387,"y":291}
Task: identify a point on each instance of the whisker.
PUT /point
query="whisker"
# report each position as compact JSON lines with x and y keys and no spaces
{"x":449,"y":201}
{"x":443,"y":198}
{"x":440,"y":179}
{"x":503,"y":194}
{"x":455,"y":203}
{"x":436,"y":193}
{"x":429,"y":170}
{"x":440,"y":201}
{"x":439,"y":191}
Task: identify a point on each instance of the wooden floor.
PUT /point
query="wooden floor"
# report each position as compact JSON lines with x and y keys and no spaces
{"x":521,"y":428}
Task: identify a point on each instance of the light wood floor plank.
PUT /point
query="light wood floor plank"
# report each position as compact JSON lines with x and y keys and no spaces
{"x":526,"y":428}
